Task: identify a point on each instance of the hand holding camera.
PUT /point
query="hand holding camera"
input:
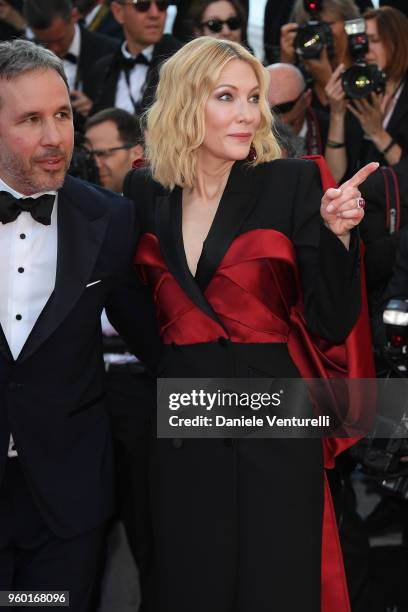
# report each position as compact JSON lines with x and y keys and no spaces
{"x":369,"y":113}
{"x":287,"y":39}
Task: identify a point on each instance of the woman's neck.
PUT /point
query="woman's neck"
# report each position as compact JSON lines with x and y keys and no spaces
{"x":212,"y":176}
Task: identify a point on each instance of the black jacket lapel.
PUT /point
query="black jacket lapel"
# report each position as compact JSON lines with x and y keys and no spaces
{"x":4,"y":347}
{"x":169,"y":229}
{"x":80,"y":236}
{"x":237,"y":202}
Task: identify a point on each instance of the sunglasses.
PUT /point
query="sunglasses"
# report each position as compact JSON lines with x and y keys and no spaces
{"x":216,"y":25}
{"x":286,"y":107}
{"x":142,"y":6}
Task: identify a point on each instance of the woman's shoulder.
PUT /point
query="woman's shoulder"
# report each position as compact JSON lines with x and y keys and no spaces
{"x":284,"y":169}
{"x":139,"y":184}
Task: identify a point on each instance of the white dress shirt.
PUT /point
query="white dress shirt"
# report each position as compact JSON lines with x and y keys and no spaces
{"x":71,"y":69}
{"x":137,"y":79}
{"x":28,"y":265}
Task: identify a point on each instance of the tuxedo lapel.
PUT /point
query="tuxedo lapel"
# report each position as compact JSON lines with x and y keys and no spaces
{"x":237,"y":202}
{"x":169,"y":229}
{"x":4,"y":347}
{"x":79,"y":242}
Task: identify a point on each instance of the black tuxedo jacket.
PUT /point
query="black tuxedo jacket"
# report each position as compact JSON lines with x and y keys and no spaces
{"x":107,"y":70}
{"x":94,"y":46}
{"x":52,"y":395}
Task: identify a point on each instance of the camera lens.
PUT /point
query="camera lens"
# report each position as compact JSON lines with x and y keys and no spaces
{"x":361,"y":80}
{"x":309,"y":42}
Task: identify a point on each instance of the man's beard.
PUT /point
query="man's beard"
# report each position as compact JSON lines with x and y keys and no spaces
{"x":25,"y":177}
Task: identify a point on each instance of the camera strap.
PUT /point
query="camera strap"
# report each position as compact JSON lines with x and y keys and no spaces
{"x":392,"y":199}
{"x":314,"y":145}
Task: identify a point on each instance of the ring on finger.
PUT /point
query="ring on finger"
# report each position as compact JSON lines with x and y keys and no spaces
{"x":360,"y":203}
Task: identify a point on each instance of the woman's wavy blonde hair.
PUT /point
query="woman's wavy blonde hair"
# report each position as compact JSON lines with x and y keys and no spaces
{"x":176,"y":124}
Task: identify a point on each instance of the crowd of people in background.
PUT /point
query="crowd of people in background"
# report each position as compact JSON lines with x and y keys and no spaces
{"x":112,"y":52}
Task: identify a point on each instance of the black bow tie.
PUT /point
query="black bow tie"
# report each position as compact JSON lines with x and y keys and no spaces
{"x":39,"y":208}
{"x":128,"y":63}
{"x":71,"y":58}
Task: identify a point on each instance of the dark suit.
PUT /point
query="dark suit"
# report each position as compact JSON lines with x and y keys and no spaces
{"x":52,"y":395}
{"x":106,"y":74}
{"x":94,"y":46}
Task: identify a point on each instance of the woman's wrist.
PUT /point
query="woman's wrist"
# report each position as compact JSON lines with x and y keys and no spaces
{"x":381,"y":140}
{"x":345,"y":238}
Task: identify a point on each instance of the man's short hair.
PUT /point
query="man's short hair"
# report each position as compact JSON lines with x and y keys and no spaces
{"x":20,"y":56}
{"x":41,"y":13}
{"x":128,"y":125}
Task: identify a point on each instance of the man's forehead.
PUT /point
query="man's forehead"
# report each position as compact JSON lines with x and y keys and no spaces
{"x":106,"y":131}
{"x":25,"y":90}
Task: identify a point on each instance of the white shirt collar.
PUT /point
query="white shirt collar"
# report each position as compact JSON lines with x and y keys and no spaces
{"x":17,"y":194}
{"x":148,"y":52}
{"x":75,"y":47}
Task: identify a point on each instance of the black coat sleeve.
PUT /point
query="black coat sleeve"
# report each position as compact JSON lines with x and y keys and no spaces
{"x":329,"y":272}
{"x":129,"y":305}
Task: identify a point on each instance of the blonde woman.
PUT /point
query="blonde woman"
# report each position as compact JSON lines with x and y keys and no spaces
{"x":226,"y":228}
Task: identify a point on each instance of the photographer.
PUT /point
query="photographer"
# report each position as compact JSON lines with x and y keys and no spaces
{"x":333,"y":13}
{"x":381,"y":118}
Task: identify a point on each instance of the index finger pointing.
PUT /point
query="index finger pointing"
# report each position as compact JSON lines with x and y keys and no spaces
{"x":361,"y":175}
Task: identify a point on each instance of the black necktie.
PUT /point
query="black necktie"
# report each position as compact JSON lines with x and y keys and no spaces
{"x":128,"y":63}
{"x":39,"y":208}
{"x":71,"y":58}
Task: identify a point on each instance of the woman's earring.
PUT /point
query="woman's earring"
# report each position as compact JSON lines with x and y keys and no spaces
{"x":252,"y":154}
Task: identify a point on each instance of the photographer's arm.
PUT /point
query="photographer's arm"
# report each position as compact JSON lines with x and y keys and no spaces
{"x":287,"y":39}
{"x":370,"y":117}
{"x":336,"y":152}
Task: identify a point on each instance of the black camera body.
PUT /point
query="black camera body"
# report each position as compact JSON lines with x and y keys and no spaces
{"x":82,"y":163}
{"x":313,"y":36}
{"x":361,"y":79}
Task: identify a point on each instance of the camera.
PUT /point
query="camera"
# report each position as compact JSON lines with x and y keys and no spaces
{"x":361,"y":79}
{"x":379,"y":457}
{"x":312,"y":37}
{"x":82,"y":163}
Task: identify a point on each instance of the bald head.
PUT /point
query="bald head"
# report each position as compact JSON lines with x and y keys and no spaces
{"x":286,"y":83}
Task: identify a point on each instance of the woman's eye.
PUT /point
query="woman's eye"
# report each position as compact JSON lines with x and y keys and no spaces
{"x":225,"y":97}
{"x":254,"y":98}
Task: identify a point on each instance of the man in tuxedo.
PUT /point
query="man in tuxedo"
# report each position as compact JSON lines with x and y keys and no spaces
{"x":128,"y":78}
{"x":54,"y":25}
{"x":65,"y":252}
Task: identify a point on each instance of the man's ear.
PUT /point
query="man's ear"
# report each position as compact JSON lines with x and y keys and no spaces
{"x":117,"y":12}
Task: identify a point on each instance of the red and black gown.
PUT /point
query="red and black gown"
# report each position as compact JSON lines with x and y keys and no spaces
{"x":246,"y":525}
